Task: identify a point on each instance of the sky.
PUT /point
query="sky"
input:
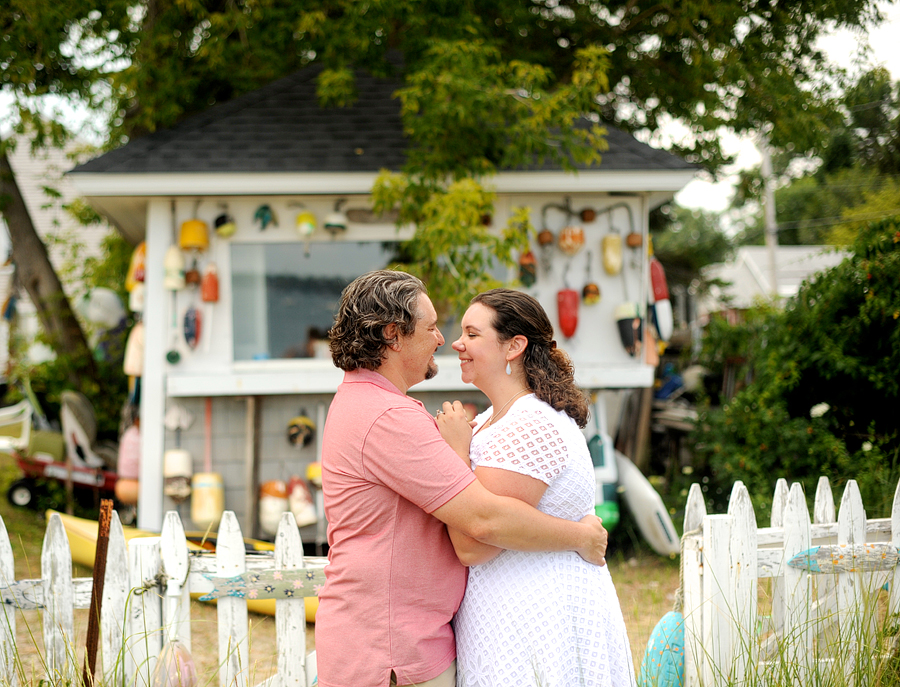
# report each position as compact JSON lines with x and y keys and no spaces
{"x":841,"y":46}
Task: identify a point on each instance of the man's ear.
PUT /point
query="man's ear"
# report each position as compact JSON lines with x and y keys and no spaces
{"x":391,"y":334}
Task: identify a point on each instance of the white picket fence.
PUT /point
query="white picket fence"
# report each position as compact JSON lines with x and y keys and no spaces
{"x":818,"y":622}
{"x":146,"y":603}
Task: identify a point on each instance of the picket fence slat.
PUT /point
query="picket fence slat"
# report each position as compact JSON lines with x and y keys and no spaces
{"x":8,"y":675}
{"x":146,"y":603}
{"x":175,"y":567}
{"x":113,"y":606}
{"x":59,"y":599}
{"x":817,"y":622}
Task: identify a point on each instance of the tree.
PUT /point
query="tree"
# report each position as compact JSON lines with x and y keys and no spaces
{"x":40,"y":38}
{"x":855,"y":164}
{"x":692,"y":239}
{"x":495,"y":84}
{"x":485,"y":84}
{"x":824,"y":385}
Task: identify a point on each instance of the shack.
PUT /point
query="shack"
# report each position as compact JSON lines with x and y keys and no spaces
{"x":284,"y":188}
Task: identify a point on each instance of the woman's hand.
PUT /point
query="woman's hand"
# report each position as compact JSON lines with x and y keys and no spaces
{"x":455,"y":428}
{"x":594,"y":550}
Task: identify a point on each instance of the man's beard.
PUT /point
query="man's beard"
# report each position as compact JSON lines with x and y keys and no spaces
{"x":431,"y":371}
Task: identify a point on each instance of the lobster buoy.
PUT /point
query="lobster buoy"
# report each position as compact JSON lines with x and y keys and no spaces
{"x":177,"y":468}
{"x":567,"y":306}
{"x":173,"y":263}
{"x":611,"y":253}
{"x":192,"y":327}
{"x":207,"y":500}
{"x":663,"y":662}
{"x":662,"y":306}
{"x":301,"y":503}
{"x":273,"y":502}
{"x":527,"y":269}
{"x":136,"y":267}
{"x":209,"y":284}
{"x":133,"y":363}
{"x":128,"y":466}
{"x":628,"y":319}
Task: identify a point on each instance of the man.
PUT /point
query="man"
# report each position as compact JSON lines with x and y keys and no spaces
{"x":390,"y":483}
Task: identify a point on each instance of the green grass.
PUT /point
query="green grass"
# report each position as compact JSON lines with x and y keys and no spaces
{"x":24,"y":526}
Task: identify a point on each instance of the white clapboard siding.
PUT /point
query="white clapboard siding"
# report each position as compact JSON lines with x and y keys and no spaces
{"x":816,"y":620}
{"x":146,"y":603}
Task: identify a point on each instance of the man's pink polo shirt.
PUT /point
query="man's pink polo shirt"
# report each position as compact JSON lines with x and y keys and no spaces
{"x":393,"y":579}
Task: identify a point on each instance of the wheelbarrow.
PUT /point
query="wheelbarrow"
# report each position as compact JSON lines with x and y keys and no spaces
{"x":41,"y":454}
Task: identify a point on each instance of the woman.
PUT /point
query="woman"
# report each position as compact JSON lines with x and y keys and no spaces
{"x":542,"y":619}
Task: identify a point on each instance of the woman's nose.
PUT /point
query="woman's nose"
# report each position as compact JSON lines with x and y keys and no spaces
{"x":457,"y":345}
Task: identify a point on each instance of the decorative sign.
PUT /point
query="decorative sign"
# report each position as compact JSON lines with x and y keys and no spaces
{"x":268,"y":584}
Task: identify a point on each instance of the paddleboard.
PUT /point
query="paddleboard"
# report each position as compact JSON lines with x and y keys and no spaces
{"x":647,"y":508}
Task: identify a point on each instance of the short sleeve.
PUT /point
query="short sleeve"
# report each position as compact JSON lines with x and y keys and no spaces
{"x":530,"y":443}
{"x":405,"y":452}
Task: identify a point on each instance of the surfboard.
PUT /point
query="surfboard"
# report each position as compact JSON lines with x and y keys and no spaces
{"x":647,"y":508}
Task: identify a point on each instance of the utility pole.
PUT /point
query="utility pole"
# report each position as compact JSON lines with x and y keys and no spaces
{"x":769,"y":211}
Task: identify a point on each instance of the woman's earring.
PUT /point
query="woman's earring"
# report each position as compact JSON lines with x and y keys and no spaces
{"x":508,"y":368}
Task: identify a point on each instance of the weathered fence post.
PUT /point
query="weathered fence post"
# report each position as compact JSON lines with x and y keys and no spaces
{"x":175,"y":567}
{"x":234,"y":652}
{"x":144,"y":640}
{"x":796,"y":635}
{"x":290,"y":614}
{"x":855,"y":628}
{"x":744,"y":551}
{"x":717,"y":595}
{"x":59,"y":603}
{"x":115,"y":602}
{"x":692,"y":584}
{"x":8,"y":674}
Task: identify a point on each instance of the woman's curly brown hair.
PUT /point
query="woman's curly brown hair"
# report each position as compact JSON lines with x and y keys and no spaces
{"x":368,"y":305}
{"x":548,"y":371}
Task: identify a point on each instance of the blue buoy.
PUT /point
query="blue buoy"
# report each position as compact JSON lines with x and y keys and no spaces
{"x":663,"y":662}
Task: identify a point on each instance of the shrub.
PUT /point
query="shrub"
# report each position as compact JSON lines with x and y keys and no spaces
{"x":824,"y":386}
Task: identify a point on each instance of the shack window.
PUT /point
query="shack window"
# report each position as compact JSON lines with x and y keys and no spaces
{"x":284,"y":300}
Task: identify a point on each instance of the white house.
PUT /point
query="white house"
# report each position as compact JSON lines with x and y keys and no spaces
{"x":749,"y":274}
{"x":275,"y":147}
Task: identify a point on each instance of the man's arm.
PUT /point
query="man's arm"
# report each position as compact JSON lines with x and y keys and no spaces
{"x":508,"y":523}
{"x":505,"y":483}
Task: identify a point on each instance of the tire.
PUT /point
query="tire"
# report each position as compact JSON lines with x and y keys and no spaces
{"x":21,"y":493}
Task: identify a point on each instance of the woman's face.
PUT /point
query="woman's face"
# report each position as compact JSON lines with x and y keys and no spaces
{"x":481,"y":355}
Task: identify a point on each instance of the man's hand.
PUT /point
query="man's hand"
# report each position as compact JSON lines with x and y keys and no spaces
{"x":455,"y":428}
{"x":595,"y":550}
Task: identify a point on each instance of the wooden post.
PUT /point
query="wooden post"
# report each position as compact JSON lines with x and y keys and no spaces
{"x":93,"y":631}
{"x":251,"y":465}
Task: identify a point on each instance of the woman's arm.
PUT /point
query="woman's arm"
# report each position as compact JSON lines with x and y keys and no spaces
{"x":503,"y":483}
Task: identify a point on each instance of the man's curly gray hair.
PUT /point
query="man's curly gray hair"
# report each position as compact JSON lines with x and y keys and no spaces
{"x":368,"y":305}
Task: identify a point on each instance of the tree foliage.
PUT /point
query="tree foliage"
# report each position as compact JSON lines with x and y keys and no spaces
{"x":824,"y":386}
{"x":691,"y":240}
{"x":853,"y":180}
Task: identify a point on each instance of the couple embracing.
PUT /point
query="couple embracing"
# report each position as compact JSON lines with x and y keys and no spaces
{"x":460,"y":553}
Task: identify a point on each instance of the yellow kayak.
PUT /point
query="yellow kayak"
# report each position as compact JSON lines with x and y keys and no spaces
{"x":82,"y":535}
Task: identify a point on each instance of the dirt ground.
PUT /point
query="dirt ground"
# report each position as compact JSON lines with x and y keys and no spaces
{"x":646,"y":589}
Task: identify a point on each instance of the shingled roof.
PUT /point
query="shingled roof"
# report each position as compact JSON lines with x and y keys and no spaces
{"x":281,"y":128}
